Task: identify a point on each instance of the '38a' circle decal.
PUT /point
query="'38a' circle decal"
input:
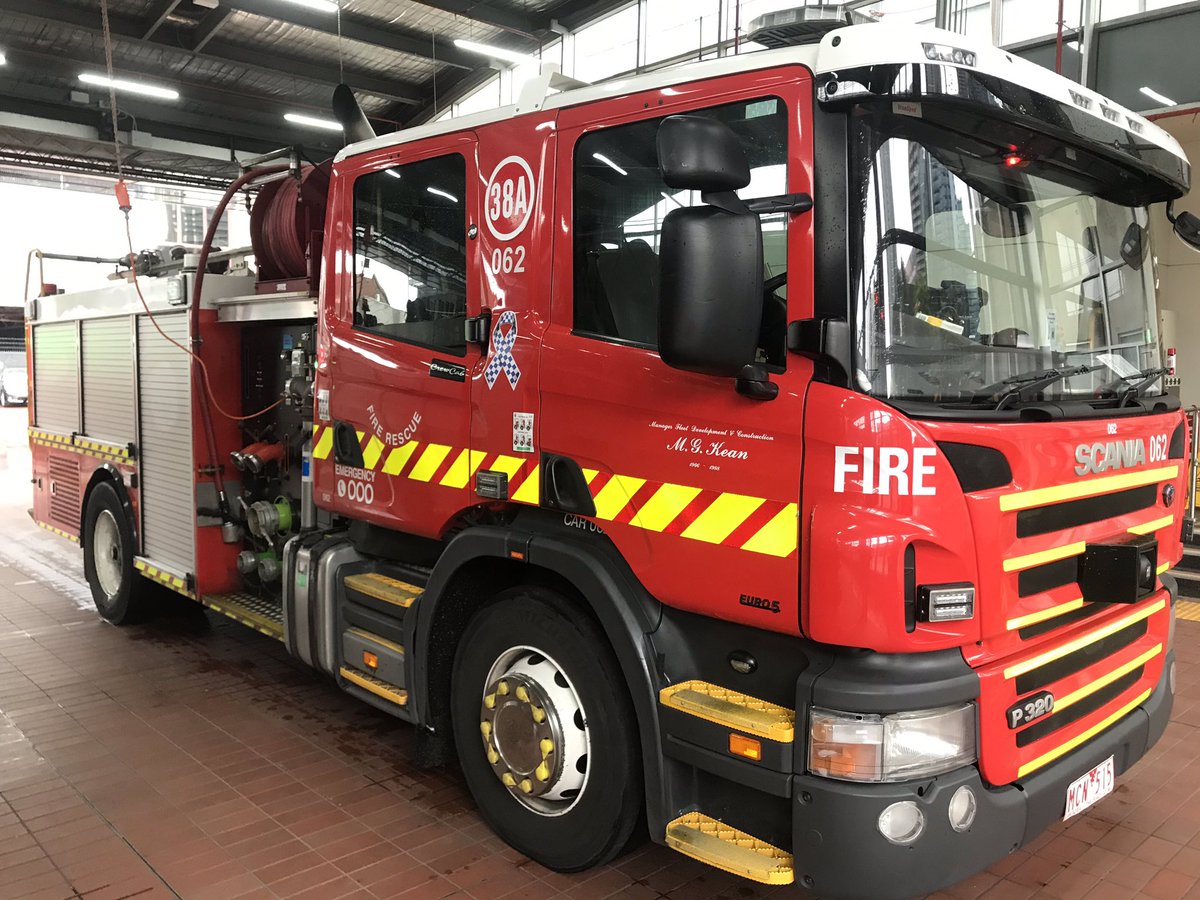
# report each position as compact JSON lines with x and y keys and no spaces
{"x":508,"y":198}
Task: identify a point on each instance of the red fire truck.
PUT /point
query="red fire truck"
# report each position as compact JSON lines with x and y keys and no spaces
{"x":768,"y":450}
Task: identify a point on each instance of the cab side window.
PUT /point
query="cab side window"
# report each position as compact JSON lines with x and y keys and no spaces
{"x":410,"y":254}
{"x":620,"y":201}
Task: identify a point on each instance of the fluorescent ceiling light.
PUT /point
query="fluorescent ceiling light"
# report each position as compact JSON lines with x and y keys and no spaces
{"x":392,"y":172}
{"x":608,"y":162}
{"x":1155,"y":95}
{"x":3,"y":58}
{"x":442,"y":193}
{"x":313,"y":121}
{"x":494,"y":52}
{"x":323,"y":5}
{"x":133,"y":87}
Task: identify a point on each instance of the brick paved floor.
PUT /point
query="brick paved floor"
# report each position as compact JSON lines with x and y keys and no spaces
{"x":190,"y":757}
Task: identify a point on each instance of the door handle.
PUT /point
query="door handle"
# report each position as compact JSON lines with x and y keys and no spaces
{"x":346,"y":449}
{"x":565,"y":487}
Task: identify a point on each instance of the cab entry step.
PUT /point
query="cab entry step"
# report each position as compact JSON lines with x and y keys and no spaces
{"x":704,"y":838}
{"x":376,"y":686}
{"x":383,"y":588}
{"x":731,"y":709}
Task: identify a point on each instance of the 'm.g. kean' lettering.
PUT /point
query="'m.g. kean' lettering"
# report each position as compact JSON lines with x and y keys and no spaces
{"x":1096,"y":458}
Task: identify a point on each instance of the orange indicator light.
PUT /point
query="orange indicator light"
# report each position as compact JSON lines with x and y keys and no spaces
{"x":370,"y":660}
{"x":740,"y":745}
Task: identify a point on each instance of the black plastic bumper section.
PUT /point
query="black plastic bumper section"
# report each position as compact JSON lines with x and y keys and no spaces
{"x":839,"y":851}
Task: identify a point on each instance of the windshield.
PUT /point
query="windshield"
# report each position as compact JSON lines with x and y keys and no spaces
{"x":983,"y":280}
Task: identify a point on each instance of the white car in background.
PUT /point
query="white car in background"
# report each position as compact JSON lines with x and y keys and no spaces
{"x":14,"y":386}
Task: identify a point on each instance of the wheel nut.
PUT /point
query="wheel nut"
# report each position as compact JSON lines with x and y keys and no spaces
{"x":522,"y":694}
{"x":508,"y":780}
{"x":492,"y":756}
{"x":527,"y":786}
{"x":547,"y":747}
{"x":502,"y":689}
{"x":490,"y":701}
{"x":542,"y":772}
{"x":486,"y":727}
{"x":539,"y":714}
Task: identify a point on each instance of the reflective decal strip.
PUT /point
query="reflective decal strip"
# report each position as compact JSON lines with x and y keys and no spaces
{"x":174,"y":582}
{"x":777,"y":537}
{"x":462,"y":468}
{"x":323,"y":442}
{"x":662,"y":508}
{"x":613,"y":497}
{"x":509,"y":465}
{"x":59,"y":532}
{"x":429,"y":462}
{"x":1108,"y":484}
{"x":1058,"y":652}
{"x":1162,"y":567}
{"x":1152,"y":526}
{"x":530,"y":490}
{"x":372,"y":452}
{"x":1105,"y":680}
{"x":117,"y":453}
{"x":1043,"y":615}
{"x":1082,"y":738}
{"x":1016,"y":563}
{"x":398,"y":457}
{"x":727,"y":512}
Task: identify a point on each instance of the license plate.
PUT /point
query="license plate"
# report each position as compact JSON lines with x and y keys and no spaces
{"x":1090,"y":789}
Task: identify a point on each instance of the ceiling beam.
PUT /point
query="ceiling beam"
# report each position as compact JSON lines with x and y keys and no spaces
{"x":60,"y":13}
{"x":209,"y":26}
{"x":574,"y":14}
{"x":361,"y":29}
{"x":157,"y":15}
{"x":479,"y":11}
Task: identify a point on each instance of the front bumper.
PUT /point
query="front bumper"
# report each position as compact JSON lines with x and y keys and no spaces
{"x":839,"y":851}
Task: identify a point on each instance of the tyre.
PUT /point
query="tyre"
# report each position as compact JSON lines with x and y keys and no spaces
{"x":119,"y":591}
{"x":545,"y":732}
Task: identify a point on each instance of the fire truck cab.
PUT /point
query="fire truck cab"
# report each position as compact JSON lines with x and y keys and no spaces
{"x":765,"y":450}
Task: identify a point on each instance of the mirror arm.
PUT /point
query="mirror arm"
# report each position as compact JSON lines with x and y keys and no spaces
{"x":783,"y":203}
{"x":825,"y":341}
{"x":726,"y":200}
{"x":754,"y":382}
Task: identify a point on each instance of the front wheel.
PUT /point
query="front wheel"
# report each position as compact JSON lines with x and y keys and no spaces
{"x":119,"y":591}
{"x":545,"y":734}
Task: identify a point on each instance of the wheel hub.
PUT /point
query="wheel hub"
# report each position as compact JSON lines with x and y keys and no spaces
{"x":106,"y":553}
{"x":534,"y":731}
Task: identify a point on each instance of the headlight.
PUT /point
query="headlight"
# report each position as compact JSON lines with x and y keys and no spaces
{"x":899,"y":747}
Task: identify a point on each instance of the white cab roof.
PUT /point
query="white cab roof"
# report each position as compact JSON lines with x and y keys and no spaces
{"x":839,"y":51}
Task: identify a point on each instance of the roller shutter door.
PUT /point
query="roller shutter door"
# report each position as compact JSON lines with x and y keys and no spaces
{"x":56,"y":377}
{"x":165,"y":448}
{"x":108,"y":380}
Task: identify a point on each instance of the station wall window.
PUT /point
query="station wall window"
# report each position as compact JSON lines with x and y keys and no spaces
{"x":619,"y":205}
{"x":410,"y":254}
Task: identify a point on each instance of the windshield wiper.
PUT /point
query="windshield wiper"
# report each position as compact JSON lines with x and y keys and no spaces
{"x":1130,"y":390}
{"x":1006,"y":392}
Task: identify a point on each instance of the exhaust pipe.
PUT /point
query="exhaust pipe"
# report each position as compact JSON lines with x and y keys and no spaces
{"x":347,"y":111}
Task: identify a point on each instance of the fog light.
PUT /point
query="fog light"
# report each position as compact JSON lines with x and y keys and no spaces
{"x":962,"y":808}
{"x":902,"y":823}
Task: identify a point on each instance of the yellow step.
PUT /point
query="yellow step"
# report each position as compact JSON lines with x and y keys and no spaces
{"x":381,"y":587}
{"x":731,"y":709}
{"x":724,"y":847}
{"x":376,"y":686}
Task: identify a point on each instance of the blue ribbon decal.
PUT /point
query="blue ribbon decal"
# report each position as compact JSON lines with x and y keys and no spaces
{"x":502,"y":347}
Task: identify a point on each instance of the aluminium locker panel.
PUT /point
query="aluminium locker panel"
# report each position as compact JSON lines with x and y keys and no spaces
{"x":56,"y":377}
{"x":108,"y":380}
{"x":165,"y":448}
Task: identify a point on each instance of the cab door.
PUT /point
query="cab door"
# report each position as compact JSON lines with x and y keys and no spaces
{"x":696,"y":485}
{"x":393,"y":411}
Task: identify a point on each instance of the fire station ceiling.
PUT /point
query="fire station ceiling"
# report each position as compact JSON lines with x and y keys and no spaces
{"x":239,"y":66}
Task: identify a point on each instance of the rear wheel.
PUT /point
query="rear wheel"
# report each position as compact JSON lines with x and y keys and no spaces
{"x":544,"y":730}
{"x":119,"y":592}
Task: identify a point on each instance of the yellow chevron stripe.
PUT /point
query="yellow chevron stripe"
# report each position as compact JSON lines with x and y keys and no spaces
{"x":372,"y":453}
{"x":398,"y":457}
{"x":509,"y":465}
{"x":1082,"y":738}
{"x":726,"y":513}
{"x":662,"y":508}
{"x":615,"y":495}
{"x":428,"y":464}
{"x":1016,"y":563}
{"x":1162,"y":567}
{"x":1044,"y":614}
{"x":1104,"y":680}
{"x":324,"y":443}
{"x":530,"y":490}
{"x":1088,"y":639}
{"x":1058,"y":493}
{"x":780,"y":536}
{"x":463,"y":468}
{"x":1154,"y":525}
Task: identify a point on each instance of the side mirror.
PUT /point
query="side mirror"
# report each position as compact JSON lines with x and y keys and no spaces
{"x":711,"y":290}
{"x":699,"y":154}
{"x":1186,"y":225}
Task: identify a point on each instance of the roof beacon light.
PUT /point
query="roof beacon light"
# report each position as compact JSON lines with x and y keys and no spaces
{"x":1155,"y":95}
{"x":946,"y":53}
{"x":132,"y":87}
{"x":313,"y":121}
{"x":494,"y":52}
{"x":1013,"y":160}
